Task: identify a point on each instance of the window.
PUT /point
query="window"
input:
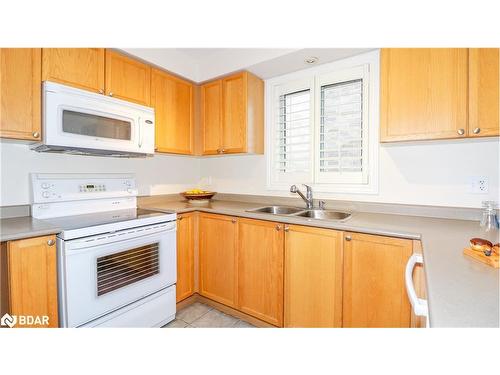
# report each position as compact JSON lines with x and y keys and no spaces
{"x":324,"y":127}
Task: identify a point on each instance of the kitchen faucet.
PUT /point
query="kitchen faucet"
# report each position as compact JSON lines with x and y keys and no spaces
{"x":308,"y":198}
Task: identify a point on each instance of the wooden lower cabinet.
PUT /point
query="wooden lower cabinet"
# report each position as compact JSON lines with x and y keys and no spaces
{"x":185,"y":256}
{"x":374,"y":292}
{"x":29,"y":279}
{"x":218,"y":258}
{"x":260,"y":269}
{"x":313,"y":277}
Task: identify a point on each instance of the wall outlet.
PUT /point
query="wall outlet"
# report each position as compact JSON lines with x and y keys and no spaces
{"x":479,"y":185}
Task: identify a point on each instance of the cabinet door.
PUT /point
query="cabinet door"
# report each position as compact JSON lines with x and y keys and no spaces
{"x":260,"y":270}
{"x":234,"y":113}
{"x":79,"y":67}
{"x":483,"y":92}
{"x":423,"y":93}
{"x":218,"y":258}
{"x":127,"y":79}
{"x":32,"y":278}
{"x":20,"y":93}
{"x":211,"y":117}
{"x":374,"y":285}
{"x":185,"y":256}
{"x":172,"y":99}
{"x":313,"y":277}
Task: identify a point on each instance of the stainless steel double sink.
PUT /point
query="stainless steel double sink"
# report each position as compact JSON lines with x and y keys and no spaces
{"x":318,"y":214}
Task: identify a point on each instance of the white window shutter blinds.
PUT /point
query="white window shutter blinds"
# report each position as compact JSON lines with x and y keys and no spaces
{"x":341,"y":154}
{"x":293,"y":134}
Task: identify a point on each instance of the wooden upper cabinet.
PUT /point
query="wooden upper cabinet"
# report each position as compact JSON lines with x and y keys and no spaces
{"x":374,"y":293}
{"x":172,"y":99}
{"x":127,"y":79}
{"x":423,"y":93}
{"x":313,"y":277}
{"x":20,"y":93}
{"x":31,"y":278}
{"x":79,"y":67}
{"x":233,"y":115}
{"x":218,"y":258}
{"x":483,"y":92}
{"x":185,"y":256}
{"x":260,"y":270}
{"x":211,"y":117}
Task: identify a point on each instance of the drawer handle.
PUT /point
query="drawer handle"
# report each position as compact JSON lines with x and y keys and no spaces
{"x":348,"y":238}
{"x":461,"y":131}
{"x":477,"y":130}
{"x":51,"y":242}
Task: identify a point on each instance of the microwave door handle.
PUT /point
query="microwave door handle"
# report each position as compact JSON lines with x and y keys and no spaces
{"x":140,"y":132}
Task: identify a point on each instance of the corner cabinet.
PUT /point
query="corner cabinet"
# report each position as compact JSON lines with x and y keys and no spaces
{"x":172,"y":99}
{"x":82,"y":68}
{"x":232,"y":115}
{"x":185,"y":255}
{"x":20,"y":93}
{"x":374,"y":292}
{"x":29,"y":279}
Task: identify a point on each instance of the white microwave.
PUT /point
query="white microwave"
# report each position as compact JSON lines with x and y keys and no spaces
{"x":81,"y":122}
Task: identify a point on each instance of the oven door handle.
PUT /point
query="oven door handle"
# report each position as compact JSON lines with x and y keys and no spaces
{"x":157,"y":231}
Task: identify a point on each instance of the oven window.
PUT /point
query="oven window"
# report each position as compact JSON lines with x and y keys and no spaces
{"x":124,"y":268}
{"x":95,"y":126}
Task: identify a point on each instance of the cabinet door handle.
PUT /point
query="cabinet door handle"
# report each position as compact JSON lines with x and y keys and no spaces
{"x":223,"y":150}
{"x":179,"y":217}
{"x":348,"y":238}
{"x":101,"y":91}
{"x":477,"y":130}
{"x":110,"y":94}
{"x":233,"y":221}
{"x":35,"y":134}
{"x":461,"y":131}
{"x":278,"y":227}
{"x":51,"y":242}
{"x":287,"y":228}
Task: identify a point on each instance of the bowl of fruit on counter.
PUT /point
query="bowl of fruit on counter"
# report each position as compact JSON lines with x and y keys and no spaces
{"x":197,"y":195}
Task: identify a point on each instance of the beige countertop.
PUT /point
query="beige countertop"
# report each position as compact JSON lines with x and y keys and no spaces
{"x":461,"y":291}
{"x":24,"y":227}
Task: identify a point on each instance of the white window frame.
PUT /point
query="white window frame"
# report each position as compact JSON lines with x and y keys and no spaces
{"x":369,"y":63}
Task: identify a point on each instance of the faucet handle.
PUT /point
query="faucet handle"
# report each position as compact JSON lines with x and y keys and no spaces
{"x":293,"y":189}
{"x":321,"y":205}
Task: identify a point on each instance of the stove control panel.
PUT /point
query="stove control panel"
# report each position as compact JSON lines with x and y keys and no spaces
{"x":71,"y":187}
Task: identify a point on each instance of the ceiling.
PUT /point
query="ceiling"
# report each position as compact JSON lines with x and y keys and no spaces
{"x":202,"y":64}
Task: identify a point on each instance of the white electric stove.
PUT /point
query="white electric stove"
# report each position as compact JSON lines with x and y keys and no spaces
{"x":116,"y":262}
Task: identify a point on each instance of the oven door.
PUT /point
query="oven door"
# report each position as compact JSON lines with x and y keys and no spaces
{"x":78,"y":119}
{"x":103,"y":273}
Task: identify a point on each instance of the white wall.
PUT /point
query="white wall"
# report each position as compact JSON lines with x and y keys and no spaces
{"x":424,"y":173}
{"x":161,"y":174}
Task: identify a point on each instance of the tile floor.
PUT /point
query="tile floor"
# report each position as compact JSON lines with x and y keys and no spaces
{"x":199,"y":315}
